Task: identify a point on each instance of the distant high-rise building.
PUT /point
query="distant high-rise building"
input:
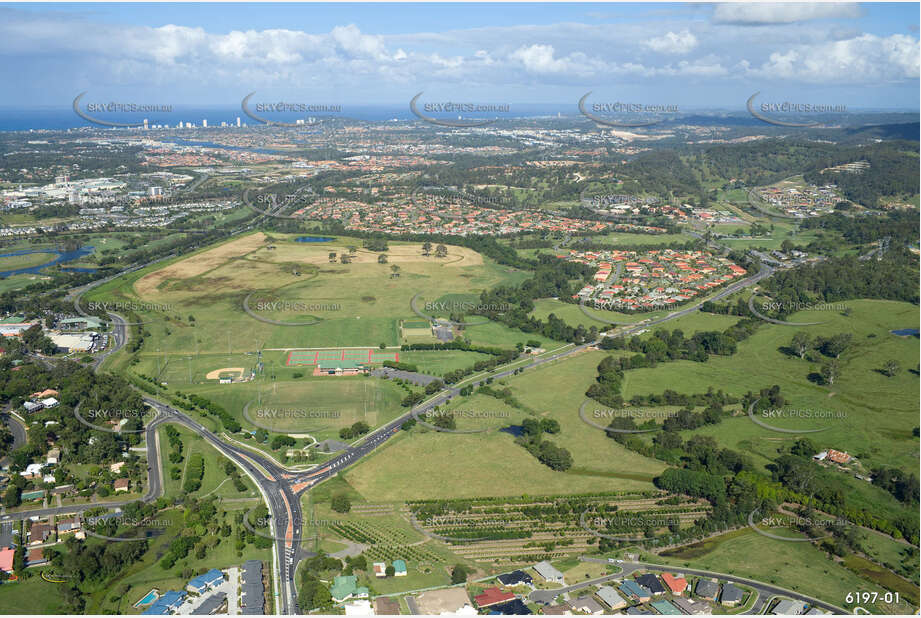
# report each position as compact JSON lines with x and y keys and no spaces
{"x":204,"y":123}
{"x":223,"y":124}
{"x":145,"y":124}
{"x":238,"y":121}
{"x":155,"y":191}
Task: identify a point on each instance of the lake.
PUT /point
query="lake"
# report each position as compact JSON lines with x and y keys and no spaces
{"x":62,"y":257}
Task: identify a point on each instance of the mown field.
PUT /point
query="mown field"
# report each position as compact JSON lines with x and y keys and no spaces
{"x":215,"y":481}
{"x":482,"y":464}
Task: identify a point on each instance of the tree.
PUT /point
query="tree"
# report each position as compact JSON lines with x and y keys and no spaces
{"x":394,"y":270}
{"x":458,"y":574}
{"x":441,"y":251}
{"x":382,"y":258}
{"x":426,"y":248}
{"x":345,"y":259}
{"x":831,"y":370}
{"x":341,"y":503}
{"x":801,"y":343}
{"x":892,"y":368}
{"x":836,"y":345}
{"x":332,"y":257}
{"x":390,"y":571}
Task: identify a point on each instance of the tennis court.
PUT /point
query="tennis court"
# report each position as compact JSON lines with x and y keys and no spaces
{"x":298,"y":358}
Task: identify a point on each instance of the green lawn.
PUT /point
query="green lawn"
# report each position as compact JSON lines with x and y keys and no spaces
{"x":798,"y":566}
{"x":215,"y":481}
{"x":31,"y":596}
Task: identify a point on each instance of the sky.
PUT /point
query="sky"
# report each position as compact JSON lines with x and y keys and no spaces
{"x":686,"y":55}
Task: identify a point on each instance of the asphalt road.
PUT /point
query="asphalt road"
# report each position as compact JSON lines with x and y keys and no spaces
{"x":17,"y":429}
{"x":765,"y":591}
{"x":282,"y":488}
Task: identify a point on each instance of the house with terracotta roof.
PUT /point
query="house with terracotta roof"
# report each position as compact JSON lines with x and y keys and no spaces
{"x":6,"y":559}
{"x":492,"y":596}
{"x":676,"y":585}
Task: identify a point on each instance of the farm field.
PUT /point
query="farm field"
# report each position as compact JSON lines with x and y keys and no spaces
{"x":873,"y":415}
{"x":291,"y":290}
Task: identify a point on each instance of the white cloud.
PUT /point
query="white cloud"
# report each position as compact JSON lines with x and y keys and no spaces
{"x":865,"y":59}
{"x":754,"y":14}
{"x":672,"y":43}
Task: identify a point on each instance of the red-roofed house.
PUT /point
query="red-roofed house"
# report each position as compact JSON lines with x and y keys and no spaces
{"x":6,"y":559}
{"x":492,"y":596}
{"x":676,"y":584}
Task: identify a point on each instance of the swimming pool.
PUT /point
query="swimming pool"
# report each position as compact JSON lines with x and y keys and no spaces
{"x":149,"y":598}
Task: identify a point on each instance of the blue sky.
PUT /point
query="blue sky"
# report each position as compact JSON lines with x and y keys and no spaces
{"x":691,"y":55}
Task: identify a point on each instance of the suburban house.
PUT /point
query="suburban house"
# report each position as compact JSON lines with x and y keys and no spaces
{"x":676,"y":585}
{"x":707,"y":589}
{"x":205,"y":582}
{"x":692,"y":608}
{"x":6,"y":559}
{"x":68,"y":526}
{"x":48,"y":392}
{"x":253,"y":599}
{"x":359,"y":607}
{"x":651,"y":583}
{"x":35,"y":557}
{"x":32,"y":406}
{"x":345,"y":587}
{"x":587,"y":605}
{"x":787,"y":607}
{"x":515,"y":578}
{"x":39,"y":533}
{"x":53,"y":456}
{"x":492,"y":596}
{"x":515,"y":607}
{"x":731,"y":595}
{"x":666,"y":608}
{"x":167,"y":603}
{"x":399,"y":568}
{"x":633,"y":590}
{"x":121,"y":485}
{"x":610,"y":597}
{"x":549,"y":572}
{"x":380,"y":569}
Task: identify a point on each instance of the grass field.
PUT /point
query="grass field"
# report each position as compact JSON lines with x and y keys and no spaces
{"x":353,"y":304}
{"x":873,"y":414}
{"x":469,"y":465}
{"x":439,"y":362}
{"x":215,"y":481}
{"x":798,"y":566}
{"x":31,"y":596}
{"x":27,"y":260}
